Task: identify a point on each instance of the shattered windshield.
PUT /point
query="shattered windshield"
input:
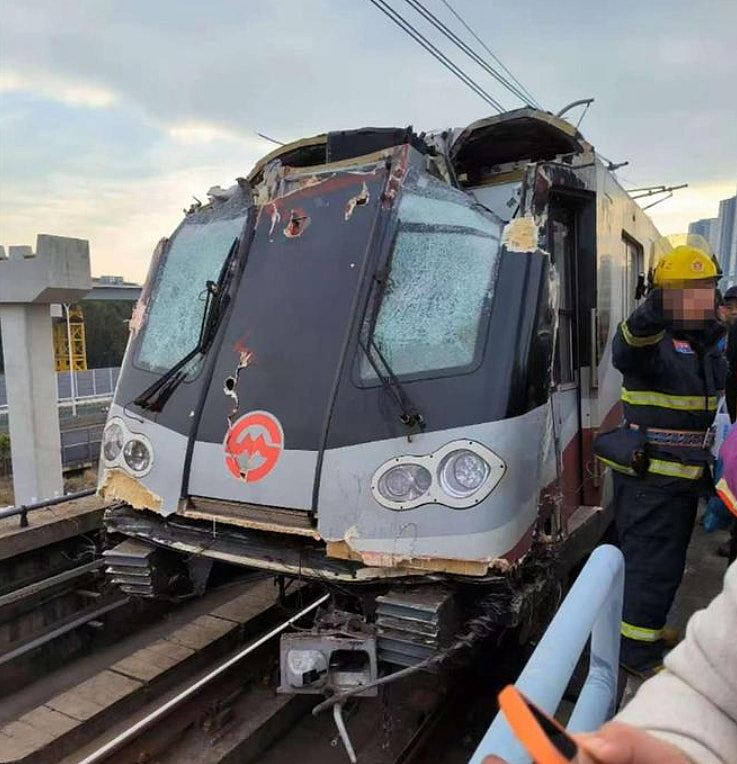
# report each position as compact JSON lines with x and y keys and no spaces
{"x":440,"y":284}
{"x":195,"y":255}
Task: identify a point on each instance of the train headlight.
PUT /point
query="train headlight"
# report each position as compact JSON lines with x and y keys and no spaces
{"x":405,"y":482}
{"x":137,"y":455}
{"x":113,"y":440}
{"x":462,"y":473}
{"x":459,"y":475}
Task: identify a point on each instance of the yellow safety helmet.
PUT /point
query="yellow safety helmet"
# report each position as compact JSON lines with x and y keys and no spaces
{"x":685,"y":259}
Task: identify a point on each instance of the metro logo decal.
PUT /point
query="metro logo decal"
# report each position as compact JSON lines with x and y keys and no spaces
{"x":253,"y":445}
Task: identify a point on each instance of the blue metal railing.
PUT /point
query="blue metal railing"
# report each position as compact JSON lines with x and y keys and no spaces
{"x":593,"y":608}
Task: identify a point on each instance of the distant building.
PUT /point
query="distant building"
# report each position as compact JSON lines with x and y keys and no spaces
{"x":725,"y":238}
{"x":705,"y":227}
{"x":721,"y":233}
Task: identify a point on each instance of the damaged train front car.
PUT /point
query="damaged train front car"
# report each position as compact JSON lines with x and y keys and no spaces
{"x":340,"y":369}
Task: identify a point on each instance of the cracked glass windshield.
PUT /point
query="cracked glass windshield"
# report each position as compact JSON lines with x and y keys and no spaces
{"x":196,"y":255}
{"x":440,"y":284}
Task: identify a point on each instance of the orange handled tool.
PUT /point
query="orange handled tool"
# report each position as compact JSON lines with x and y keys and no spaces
{"x":543,"y":738}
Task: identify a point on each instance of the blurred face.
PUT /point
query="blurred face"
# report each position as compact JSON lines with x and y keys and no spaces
{"x":689,"y":308}
{"x":730,"y":311}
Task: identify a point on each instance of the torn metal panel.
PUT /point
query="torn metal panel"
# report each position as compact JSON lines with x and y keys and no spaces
{"x":521,"y":235}
{"x":298,"y":223}
{"x":120,"y":486}
{"x":359,"y":200}
{"x":230,"y":386}
{"x":342,"y":550}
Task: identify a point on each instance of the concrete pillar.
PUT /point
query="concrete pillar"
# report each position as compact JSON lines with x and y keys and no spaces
{"x":58,"y":272}
{"x":30,"y":379}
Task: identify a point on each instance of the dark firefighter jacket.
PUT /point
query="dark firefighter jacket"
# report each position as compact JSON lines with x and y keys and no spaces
{"x":672,"y":381}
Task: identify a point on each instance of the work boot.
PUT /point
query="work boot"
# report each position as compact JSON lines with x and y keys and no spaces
{"x":671,"y":637}
{"x":643,"y":673}
{"x":641,"y":659}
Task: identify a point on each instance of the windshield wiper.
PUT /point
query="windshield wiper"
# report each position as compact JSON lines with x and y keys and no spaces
{"x":154,"y":398}
{"x":409,"y":415}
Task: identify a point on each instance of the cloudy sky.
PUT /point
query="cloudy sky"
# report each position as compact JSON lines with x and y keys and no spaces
{"x":113,"y":113}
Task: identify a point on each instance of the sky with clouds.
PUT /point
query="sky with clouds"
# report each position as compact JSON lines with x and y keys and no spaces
{"x":113,"y":113}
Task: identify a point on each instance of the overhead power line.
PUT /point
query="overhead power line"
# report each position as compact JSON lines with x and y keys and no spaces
{"x":468,"y":28}
{"x":459,"y":43}
{"x":403,"y":24}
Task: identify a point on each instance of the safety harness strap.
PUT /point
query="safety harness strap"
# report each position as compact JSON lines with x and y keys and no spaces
{"x":668,"y":401}
{"x":640,"y":633}
{"x":640,"y":342}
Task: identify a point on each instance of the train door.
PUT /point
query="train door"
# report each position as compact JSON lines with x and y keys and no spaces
{"x":566,"y":372}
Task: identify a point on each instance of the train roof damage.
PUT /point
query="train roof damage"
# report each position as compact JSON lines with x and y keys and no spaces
{"x":487,"y":151}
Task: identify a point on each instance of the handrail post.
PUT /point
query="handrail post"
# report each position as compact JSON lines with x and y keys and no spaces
{"x":593,"y":607}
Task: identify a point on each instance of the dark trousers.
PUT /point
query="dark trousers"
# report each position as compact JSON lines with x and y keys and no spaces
{"x":654,"y":525}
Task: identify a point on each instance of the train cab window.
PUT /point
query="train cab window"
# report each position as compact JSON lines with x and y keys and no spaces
{"x":440,"y":284}
{"x":633,"y":273}
{"x":195,"y":255}
{"x":563,"y":244}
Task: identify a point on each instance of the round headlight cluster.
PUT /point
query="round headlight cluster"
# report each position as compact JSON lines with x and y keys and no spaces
{"x":405,"y":482}
{"x":122,"y":448}
{"x":137,"y":455}
{"x":113,"y":440}
{"x":458,"y":475}
{"x":462,"y":473}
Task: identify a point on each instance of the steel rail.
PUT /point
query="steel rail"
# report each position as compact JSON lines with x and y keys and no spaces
{"x":143,"y":724}
{"x":38,"y":586}
{"x":81,"y":620}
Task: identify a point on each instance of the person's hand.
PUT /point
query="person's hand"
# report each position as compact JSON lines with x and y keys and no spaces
{"x":655,"y":301}
{"x":617,"y":743}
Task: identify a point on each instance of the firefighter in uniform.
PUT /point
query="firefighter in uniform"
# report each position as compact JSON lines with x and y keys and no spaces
{"x":670,"y":356}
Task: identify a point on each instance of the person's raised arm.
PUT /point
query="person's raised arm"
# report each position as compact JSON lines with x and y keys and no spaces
{"x":638,"y":336}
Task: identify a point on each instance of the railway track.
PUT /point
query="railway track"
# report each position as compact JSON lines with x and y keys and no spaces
{"x":205,"y":691}
{"x":88,"y":603}
{"x":55,"y":603}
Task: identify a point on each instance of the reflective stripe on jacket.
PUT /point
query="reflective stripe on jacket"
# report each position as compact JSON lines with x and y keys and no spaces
{"x":671,"y":380}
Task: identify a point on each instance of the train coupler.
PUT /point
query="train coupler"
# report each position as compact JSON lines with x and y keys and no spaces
{"x":337,"y":655}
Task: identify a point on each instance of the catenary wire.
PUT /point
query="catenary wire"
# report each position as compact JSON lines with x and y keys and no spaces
{"x":397,"y":18}
{"x":470,"y":30}
{"x":459,"y":43}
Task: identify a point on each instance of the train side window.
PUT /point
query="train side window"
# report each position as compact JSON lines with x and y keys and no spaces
{"x":440,"y":285}
{"x":563,"y":242}
{"x":634,"y":266}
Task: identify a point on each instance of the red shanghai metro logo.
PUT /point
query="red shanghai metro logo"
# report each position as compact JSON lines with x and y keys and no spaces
{"x":253,"y":446}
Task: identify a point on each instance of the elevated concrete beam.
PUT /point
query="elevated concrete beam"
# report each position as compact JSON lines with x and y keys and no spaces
{"x":58,"y":272}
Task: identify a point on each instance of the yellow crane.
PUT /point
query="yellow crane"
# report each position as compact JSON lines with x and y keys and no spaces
{"x":69,"y":330}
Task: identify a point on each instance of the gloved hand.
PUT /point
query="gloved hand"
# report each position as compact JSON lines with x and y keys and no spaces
{"x":655,"y":301}
{"x":649,"y":317}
